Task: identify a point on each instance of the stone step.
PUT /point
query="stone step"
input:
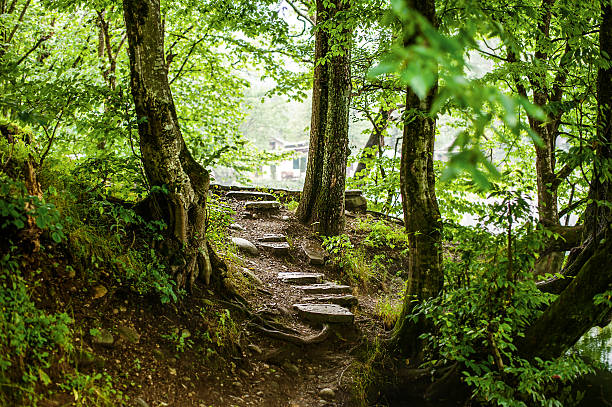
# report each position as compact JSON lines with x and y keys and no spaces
{"x":262,"y":206}
{"x":300,"y":278}
{"x":325,"y":313}
{"x":250,"y":196}
{"x":272,"y":237}
{"x":338,"y":299}
{"x":315,"y":253}
{"x":326,"y":288}
{"x":277,"y":249}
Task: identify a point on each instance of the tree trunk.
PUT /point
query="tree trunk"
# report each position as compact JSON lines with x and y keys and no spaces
{"x":421,"y":213}
{"x":329,"y":211}
{"x":318,"y":120}
{"x":574,"y":311}
{"x":322,"y":201}
{"x":167,"y":162}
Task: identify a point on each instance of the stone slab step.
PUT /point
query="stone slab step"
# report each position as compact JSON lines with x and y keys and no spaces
{"x":326,"y":288}
{"x":250,"y":196}
{"x":315,"y":253}
{"x":262,"y":205}
{"x":300,"y":278}
{"x":325,"y":313}
{"x":277,"y":249}
{"x":272,"y":237}
{"x":338,"y":299}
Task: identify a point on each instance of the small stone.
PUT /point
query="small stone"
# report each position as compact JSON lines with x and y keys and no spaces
{"x":172,"y":371}
{"x":356,"y":203}
{"x":300,"y":278}
{"x":122,"y":308}
{"x":99,"y":291}
{"x":104,"y":338}
{"x":252,"y":276}
{"x":129,"y":334}
{"x":285,"y":218}
{"x":327,"y":393}
{"x":236,"y":226}
{"x":237,"y":384}
{"x":245,"y":246}
{"x":315,"y":253}
{"x":140,"y":402}
{"x":325,"y":313}
{"x":255,"y":349}
{"x":115,"y":311}
{"x":291,"y":368}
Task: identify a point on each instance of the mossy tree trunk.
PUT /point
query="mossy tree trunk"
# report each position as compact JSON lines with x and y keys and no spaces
{"x":167,"y":161}
{"x":421,"y":212}
{"x":318,"y":120}
{"x":574,"y":311}
{"x":322,"y":201}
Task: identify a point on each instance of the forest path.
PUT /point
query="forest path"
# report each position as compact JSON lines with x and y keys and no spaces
{"x":287,"y":263}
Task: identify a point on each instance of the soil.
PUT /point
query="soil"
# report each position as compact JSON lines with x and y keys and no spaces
{"x":244,"y":367}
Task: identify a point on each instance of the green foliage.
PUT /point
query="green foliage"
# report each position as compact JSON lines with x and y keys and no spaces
{"x":354,"y":263}
{"x":489,"y":300}
{"x":388,"y":311}
{"x":382,"y":235}
{"x":31,"y":341}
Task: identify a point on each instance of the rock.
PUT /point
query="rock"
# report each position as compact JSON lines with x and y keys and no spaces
{"x":272,"y":237}
{"x":250,"y":196}
{"x":285,"y":217}
{"x":277,"y":249}
{"x":325,"y":313}
{"x":252,"y":276}
{"x":99,"y":291}
{"x":140,"y":402}
{"x":338,"y":299}
{"x":129,"y":334}
{"x":327,"y":393}
{"x":356,"y":203}
{"x":86,"y":359}
{"x":326,"y":288}
{"x":104,"y":338}
{"x":267,"y":206}
{"x":245,"y":246}
{"x":315,"y":253}
{"x":300,"y":278}
{"x":236,"y":226}
{"x":291,"y":368}
{"x":255,"y":349}
{"x":172,"y":371}
{"x":115,"y":311}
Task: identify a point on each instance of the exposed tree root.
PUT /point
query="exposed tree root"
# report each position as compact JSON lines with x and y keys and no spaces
{"x":295,"y":339}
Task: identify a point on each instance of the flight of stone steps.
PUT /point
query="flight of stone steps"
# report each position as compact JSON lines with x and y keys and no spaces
{"x":322,"y":301}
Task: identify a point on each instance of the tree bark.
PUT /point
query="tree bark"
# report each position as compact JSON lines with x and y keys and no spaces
{"x":322,"y":201}
{"x":329,"y":211}
{"x":421,"y":213}
{"x":318,"y":120}
{"x":167,"y":161}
